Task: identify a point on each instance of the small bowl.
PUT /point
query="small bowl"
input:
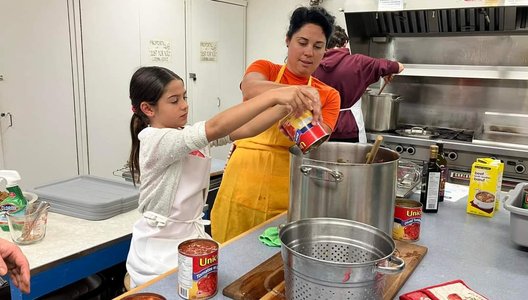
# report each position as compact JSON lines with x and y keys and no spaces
{"x":144,"y":296}
{"x":481,"y":200}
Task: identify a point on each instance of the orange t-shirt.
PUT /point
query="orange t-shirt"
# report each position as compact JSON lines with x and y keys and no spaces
{"x":330,"y":100}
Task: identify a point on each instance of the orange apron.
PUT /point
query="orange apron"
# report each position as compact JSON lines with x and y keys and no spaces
{"x":256,"y":181}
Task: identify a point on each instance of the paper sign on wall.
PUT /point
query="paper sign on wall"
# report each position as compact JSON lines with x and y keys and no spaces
{"x":386,"y":5}
{"x":515,"y":2}
{"x":208,"y":51}
{"x":159,"y":50}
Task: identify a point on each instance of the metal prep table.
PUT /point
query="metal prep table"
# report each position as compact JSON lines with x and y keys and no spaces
{"x":475,"y":249}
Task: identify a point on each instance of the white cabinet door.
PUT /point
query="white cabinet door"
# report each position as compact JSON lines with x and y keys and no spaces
{"x":37,"y":90}
{"x":117,"y":37}
{"x":216,"y":50}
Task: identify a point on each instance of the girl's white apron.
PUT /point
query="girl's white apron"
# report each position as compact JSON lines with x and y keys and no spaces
{"x":154,"y":250}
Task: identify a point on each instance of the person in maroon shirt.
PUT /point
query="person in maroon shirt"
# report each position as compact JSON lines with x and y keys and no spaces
{"x":350,"y":75}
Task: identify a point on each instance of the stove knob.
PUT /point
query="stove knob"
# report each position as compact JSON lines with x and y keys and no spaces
{"x":452,"y":155}
{"x":520,"y":168}
{"x":411,"y":150}
{"x":399,"y":149}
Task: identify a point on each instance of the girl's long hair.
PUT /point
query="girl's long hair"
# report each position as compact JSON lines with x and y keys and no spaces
{"x":147,"y":85}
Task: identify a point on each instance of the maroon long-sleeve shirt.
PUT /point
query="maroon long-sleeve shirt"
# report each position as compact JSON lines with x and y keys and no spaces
{"x":350,"y":75}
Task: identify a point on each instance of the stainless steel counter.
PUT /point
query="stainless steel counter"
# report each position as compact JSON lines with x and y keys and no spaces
{"x":475,"y":249}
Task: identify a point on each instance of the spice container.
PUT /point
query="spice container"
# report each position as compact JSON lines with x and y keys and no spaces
{"x":30,"y":227}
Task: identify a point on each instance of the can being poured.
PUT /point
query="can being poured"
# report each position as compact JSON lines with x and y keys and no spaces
{"x":407,"y":220}
{"x":197,"y":269}
{"x":303,"y":133}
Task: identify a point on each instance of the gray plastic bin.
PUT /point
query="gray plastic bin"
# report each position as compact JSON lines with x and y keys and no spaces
{"x":89,"y":197}
{"x":518,"y":215}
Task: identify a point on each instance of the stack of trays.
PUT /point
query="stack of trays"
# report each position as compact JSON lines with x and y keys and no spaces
{"x":89,"y":197}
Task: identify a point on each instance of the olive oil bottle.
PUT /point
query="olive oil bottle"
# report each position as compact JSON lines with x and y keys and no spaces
{"x":430,"y":182}
{"x":442,"y":163}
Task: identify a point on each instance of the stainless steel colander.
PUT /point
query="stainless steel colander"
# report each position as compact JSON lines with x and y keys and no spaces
{"x":329,"y":258}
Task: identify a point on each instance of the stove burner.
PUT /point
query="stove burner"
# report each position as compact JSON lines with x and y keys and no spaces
{"x":464,"y":135}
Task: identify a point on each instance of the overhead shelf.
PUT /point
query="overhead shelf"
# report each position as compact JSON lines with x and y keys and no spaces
{"x":466,"y":71}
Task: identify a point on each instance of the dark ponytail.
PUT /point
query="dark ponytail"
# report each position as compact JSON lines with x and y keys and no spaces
{"x":147,"y":85}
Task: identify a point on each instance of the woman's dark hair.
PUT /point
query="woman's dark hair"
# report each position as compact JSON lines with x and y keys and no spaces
{"x":339,"y":38}
{"x":311,"y":15}
{"x":147,"y":85}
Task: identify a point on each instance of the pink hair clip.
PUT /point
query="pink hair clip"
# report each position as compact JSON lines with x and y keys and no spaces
{"x":134,"y":110}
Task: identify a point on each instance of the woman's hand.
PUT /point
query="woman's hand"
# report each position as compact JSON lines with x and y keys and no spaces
{"x":295,"y":98}
{"x":316,"y":105}
{"x":13,"y":261}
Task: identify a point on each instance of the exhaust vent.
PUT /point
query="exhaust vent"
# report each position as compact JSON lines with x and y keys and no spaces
{"x":458,"y":21}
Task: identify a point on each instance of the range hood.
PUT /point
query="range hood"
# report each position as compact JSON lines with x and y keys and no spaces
{"x":434,"y":18}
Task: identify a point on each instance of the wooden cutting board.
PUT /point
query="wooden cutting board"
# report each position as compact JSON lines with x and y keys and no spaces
{"x":251,"y":285}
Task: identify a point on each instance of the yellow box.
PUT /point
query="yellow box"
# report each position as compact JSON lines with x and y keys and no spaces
{"x":484,"y":187}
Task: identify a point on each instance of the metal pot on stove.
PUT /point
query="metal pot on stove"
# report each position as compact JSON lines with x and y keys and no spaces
{"x":382,"y":112}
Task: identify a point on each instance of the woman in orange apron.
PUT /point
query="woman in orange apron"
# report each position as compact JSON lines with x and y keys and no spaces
{"x":255,"y":185}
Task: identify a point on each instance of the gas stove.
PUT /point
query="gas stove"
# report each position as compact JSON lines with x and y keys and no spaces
{"x":460,"y":152}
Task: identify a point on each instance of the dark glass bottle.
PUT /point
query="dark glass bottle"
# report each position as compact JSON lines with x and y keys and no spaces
{"x":430,"y":182}
{"x":442,"y":163}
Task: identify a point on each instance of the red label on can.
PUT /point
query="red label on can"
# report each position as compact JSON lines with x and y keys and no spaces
{"x":303,"y":132}
{"x":407,"y":220}
{"x":198,"y":269}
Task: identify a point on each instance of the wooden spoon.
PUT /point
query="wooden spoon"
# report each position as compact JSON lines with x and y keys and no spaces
{"x":372,"y":154}
{"x":383,"y":86}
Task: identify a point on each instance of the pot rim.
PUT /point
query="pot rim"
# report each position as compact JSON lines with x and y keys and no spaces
{"x":372,"y":263}
{"x":294,"y":150}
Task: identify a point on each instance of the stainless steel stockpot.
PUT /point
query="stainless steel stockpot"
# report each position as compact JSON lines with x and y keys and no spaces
{"x":334,"y":181}
{"x":382,"y":111}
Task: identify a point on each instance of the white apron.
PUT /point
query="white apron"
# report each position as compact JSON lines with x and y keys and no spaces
{"x":358,"y":116}
{"x":154,"y":250}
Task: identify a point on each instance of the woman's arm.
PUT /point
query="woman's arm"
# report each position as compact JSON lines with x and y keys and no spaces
{"x":255,"y":83}
{"x":294,"y":99}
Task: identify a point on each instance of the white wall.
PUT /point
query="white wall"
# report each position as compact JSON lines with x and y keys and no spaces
{"x":267,"y":23}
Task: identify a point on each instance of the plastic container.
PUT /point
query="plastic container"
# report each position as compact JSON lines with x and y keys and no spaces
{"x":89,"y":197}
{"x":518,"y":215}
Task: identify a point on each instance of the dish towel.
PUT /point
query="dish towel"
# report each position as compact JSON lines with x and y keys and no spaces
{"x":270,"y":237}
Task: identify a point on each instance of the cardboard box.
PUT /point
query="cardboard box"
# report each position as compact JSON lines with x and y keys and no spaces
{"x":484,"y":187}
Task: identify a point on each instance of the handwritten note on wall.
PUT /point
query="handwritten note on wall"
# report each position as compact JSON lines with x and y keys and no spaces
{"x":208,"y":51}
{"x":159,"y":50}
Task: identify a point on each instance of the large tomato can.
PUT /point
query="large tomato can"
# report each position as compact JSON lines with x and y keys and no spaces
{"x":407,"y":220}
{"x":197,"y":269}
{"x":301,"y":131}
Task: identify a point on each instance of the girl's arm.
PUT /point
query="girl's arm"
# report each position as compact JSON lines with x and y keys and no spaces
{"x":260,"y":123}
{"x":293,"y":98}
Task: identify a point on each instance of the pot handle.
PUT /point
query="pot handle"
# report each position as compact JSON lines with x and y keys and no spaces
{"x":398,"y":99}
{"x":400,"y":264}
{"x":334,"y":174}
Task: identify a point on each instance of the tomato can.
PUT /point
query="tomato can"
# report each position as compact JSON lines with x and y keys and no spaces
{"x":525,"y":198}
{"x":407,"y":220}
{"x":197,"y":269}
{"x":301,"y":131}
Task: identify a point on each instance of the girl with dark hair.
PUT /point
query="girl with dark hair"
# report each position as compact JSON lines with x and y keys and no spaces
{"x":173,"y":163}
{"x":255,"y":185}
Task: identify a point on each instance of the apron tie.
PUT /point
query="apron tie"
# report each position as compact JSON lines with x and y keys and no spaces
{"x":157,"y":220}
